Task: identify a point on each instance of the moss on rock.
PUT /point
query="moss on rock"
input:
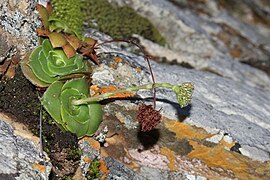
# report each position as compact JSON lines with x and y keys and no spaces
{"x":119,"y":22}
{"x":69,"y":12}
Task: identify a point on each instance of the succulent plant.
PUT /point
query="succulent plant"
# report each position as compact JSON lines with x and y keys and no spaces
{"x":44,"y":65}
{"x":56,"y":60}
{"x":79,"y":119}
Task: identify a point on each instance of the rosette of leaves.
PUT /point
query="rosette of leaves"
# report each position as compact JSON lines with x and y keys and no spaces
{"x":81,"y":119}
{"x":44,"y":65}
{"x":61,"y":24}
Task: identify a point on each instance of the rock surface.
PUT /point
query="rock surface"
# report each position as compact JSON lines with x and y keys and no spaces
{"x":19,"y":156}
{"x":231,"y":99}
{"x":207,"y":37}
{"x":218,"y":103}
{"x":18,"y":23}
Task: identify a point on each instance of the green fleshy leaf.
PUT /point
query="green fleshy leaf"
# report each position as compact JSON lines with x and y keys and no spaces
{"x":28,"y":73}
{"x":35,"y":66}
{"x":51,"y":102}
{"x":82,"y":119}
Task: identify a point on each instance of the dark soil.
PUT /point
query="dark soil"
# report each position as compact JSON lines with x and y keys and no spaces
{"x":19,"y":98}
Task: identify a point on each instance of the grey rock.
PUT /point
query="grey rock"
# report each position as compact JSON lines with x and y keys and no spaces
{"x":17,"y":156}
{"x":237,"y":108}
{"x":159,"y":174}
{"x":197,"y":36}
{"x":255,"y":153}
{"x":18,"y":23}
{"x":221,"y":65}
{"x":119,"y":171}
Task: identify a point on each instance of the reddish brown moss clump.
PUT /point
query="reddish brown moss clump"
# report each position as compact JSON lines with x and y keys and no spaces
{"x":148,"y":117}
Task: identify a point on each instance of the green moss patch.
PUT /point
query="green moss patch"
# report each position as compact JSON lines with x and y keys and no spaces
{"x":69,"y":12}
{"x":119,"y":22}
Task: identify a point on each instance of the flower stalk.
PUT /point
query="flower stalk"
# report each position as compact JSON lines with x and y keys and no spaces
{"x":183,"y":93}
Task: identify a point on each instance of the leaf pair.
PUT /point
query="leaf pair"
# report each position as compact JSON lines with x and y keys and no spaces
{"x":45,"y":65}
{"x":81,"y":120}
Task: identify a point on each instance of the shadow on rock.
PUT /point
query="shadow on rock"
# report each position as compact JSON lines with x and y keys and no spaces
{"x":148,"y":139}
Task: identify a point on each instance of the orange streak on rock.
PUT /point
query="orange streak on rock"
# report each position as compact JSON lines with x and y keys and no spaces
{"x":103,"y":168}
{"x":40,"y":167}
{"x":118,"y":60}
{"x":170,"y":156}
{"x":93,"y":143}
{"x":241,"y":166}
{"x":113,"y":88}
{"x":225,"y":144}
{"x":186,"y":131}
{"x":87,"y":160}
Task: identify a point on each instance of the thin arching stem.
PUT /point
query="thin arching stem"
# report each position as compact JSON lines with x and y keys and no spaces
{"x":119,"y":91}
{"x":146,"y":58}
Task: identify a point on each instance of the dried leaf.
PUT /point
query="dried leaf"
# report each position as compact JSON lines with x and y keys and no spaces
{"x":74,"y":41}
{"x":49,"y":8}
{"x":42,"y":32}
{"x":44,"y":15}
{"x":4,"y":67}
{"x":69,"y":50}
{"x":90,"y":41}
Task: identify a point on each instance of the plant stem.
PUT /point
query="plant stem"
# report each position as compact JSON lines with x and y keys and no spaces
{"x":112,"y":93}
{"x":146,"y":58}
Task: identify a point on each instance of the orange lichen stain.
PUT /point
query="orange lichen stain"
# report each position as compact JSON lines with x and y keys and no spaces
{"x":93,"y":143}
{"x":241,"y":166}
{"x":118,"y":60}
{"x":115,"y":63}
{"x":225,"y":144}
{"x":170,"y":156}
{"x":138,"y":69}
{"x":217,"y":156}
{"x":87,"y":160}
{"x":236,"y":51}
{"x":95,"y":89}
{"x":113,"y":88}
{"x":186,"y":131}
{"x":103,"y":168}
{"x":40,"y":167}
